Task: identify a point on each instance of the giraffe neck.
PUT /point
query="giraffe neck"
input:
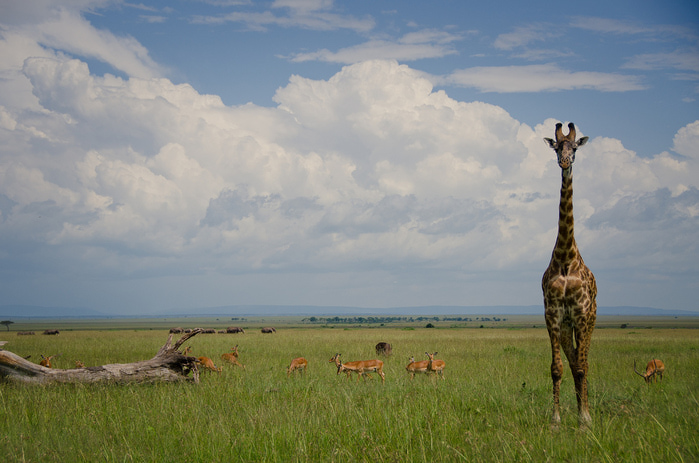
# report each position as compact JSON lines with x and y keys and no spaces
{"x":565,"y":250}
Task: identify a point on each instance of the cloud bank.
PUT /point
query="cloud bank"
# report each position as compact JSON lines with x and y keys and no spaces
{"x":370,"y":171}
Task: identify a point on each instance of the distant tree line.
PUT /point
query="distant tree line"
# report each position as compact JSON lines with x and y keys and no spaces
{"x":377,"y":320}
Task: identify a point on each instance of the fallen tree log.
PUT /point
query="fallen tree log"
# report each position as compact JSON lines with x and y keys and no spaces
{"x":169,"y":364}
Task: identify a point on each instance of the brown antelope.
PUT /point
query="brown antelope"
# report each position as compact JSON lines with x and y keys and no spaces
{"x":187,"y":350}
{"x":79,"y":364}
{"x":232,"y":357}
{"x":436,"y":366}
{"x":654,"y":369}
{"x":207,"y":363}
{"x":46,"y":361}
{"x":347,"y":368}
{"x":417,"y":367}
{"x":361,"y":367}
{"x":336,"y":360}
{"x":298,"y":363}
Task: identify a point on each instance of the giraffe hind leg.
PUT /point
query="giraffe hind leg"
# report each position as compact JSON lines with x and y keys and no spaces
{"x":575,"y":342}
{"x":580,"y":374}
{"x":568,"y":345}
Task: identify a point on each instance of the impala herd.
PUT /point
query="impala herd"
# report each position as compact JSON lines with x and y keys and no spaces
{"x":363,"y":368}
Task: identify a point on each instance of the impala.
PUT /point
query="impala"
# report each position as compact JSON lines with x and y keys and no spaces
{"x":654,"y":369}
{"x":207,"y":363}
{"x":298,"y":363}
{"x":336,"y":360}
{"x":46,"y":361}
{"x":232,"y":357}
{"x":361,"y":367}
{"x":436,"y":366}
{"x":417,"y":367}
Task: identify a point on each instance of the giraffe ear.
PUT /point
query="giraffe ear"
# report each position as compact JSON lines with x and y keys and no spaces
{"x":582,"y":141}
{"x":551,"y":143}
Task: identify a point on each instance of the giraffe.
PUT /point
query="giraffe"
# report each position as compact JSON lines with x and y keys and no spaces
{"x":569,"y":288}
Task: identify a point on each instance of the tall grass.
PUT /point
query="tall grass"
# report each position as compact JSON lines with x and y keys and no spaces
{"x":493,"y":405}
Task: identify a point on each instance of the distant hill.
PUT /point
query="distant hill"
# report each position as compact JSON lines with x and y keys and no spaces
{"x":644,"y":312}
{"x":9,"y":312}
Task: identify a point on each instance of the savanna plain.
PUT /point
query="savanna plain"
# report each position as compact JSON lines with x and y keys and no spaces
{"x":493,"y":405}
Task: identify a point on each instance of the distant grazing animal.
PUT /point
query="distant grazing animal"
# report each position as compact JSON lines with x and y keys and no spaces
{"x":232,"y":357}
{"x":361,"y":367}
{"x":654,"y":369}
{"x":299,"y":364}
{"x":384,"y":348}
{"x":417,"y":367}
{"x":53,"y":332}
{"x":569,"y":287}
{"x":25,"y":333}
{"x":234,"y":329}
{"x":268,"y":329}
{"x":209,"y":331}
{"x":436,"y":366}
{"x":176,"y":330}
{"x":207,"y":363}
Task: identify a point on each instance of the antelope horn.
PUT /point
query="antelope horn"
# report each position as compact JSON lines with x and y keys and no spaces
{"x":634,"y":369}
{"x":559,"y":132}
{"x":571,"y":132}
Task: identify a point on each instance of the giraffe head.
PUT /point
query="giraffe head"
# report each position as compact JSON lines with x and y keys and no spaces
{"x":565,"y":146}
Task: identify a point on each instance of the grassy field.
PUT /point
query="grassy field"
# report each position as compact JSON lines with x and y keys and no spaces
{"x":494,"y":404}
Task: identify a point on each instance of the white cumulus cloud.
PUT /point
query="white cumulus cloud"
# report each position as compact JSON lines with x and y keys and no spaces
{"x":370,"y":170}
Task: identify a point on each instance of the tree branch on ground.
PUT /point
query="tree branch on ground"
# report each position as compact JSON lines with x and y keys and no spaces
{"x":169,"y":364}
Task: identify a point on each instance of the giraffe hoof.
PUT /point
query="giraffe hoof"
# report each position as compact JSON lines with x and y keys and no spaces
{"x":584,"y":421}
{"x":555,"y":422}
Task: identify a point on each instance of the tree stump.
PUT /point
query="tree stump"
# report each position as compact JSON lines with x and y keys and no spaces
{"x":169,"y":364}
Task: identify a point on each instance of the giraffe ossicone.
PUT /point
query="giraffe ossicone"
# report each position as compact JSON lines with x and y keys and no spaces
{"x":569,"y":287}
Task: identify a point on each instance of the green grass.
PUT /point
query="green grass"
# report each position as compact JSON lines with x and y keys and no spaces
{"x":494,"y":404}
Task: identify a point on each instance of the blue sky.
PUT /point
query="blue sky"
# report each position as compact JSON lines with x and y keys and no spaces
{"x":319,"y":152}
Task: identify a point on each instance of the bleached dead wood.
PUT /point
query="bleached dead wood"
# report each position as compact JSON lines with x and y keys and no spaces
{"x":169,"y":364}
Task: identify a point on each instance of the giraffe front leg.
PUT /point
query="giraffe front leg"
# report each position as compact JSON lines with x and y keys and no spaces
{"x":556,"y":376}
{"x":553,"y":326}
